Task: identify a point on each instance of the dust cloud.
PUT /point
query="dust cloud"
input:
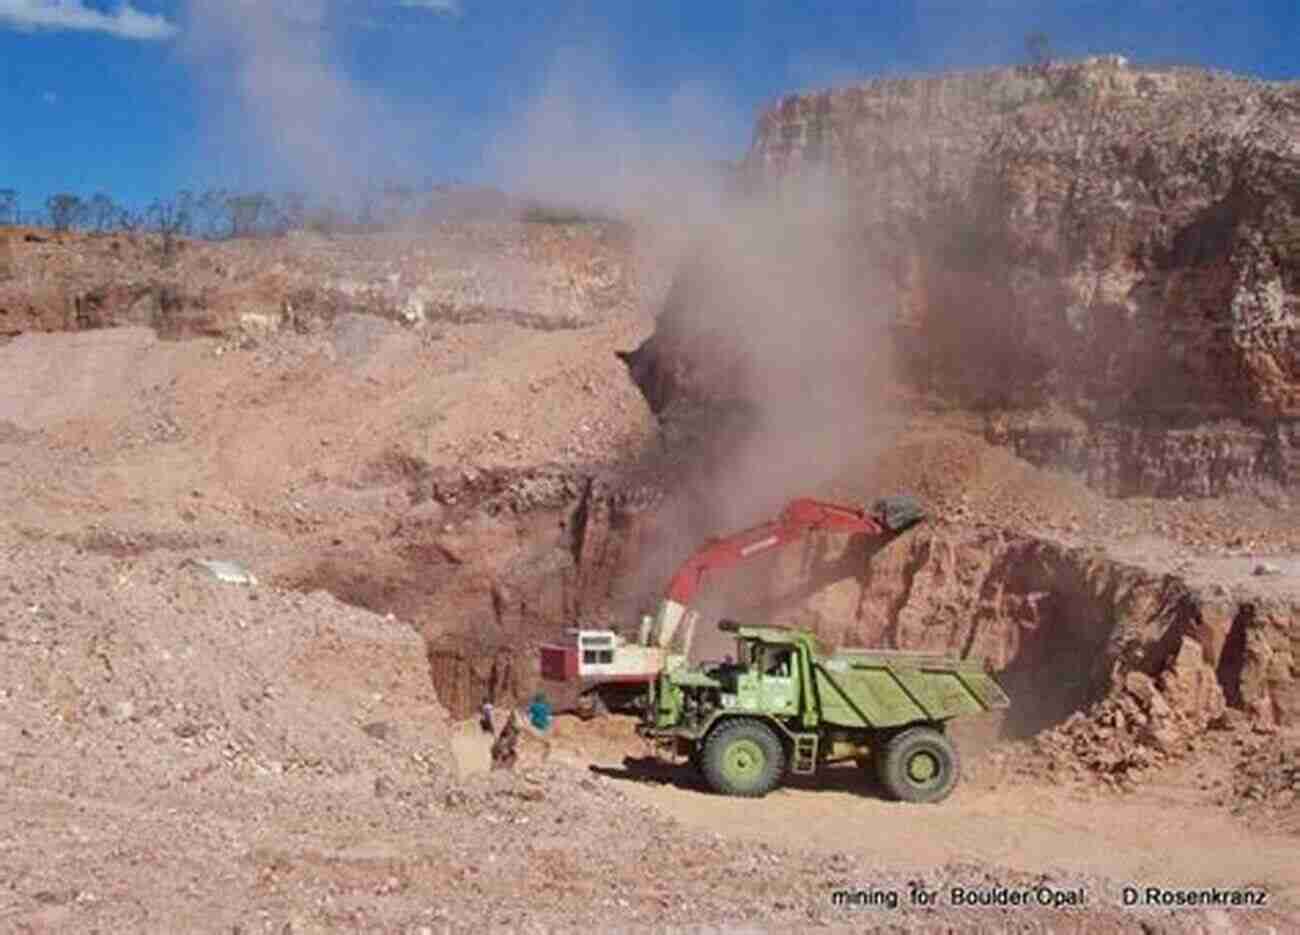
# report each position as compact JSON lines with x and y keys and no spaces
{"x":782,"y":285}
{"x":788,"y":311}
{"x":773,"y":281}
{"x":772,"y":296}
{"x":774,"y":285}
{"x":584,"y":141}
{"x":768,"y":291}
{"x":272,"y":81}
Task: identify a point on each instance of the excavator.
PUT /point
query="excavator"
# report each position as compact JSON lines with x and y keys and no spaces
{"x":611,"y":674}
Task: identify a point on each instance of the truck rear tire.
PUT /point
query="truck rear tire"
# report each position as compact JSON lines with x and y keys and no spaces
{"x":743,"y":757}
{"x":920,"y":765}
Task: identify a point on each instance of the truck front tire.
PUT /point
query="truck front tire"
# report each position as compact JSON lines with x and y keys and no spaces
{"x":920,"y":765}
{"x":743,"y":757}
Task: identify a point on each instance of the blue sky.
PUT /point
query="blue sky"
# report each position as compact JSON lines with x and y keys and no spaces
{"x":144,"y":98}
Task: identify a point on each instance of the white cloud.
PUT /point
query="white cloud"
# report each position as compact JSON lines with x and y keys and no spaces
{"x":124,"y":21}
{"x":446,"y":7}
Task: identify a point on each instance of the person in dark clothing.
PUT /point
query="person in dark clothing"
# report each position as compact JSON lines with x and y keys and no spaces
{"x":503,"y":748}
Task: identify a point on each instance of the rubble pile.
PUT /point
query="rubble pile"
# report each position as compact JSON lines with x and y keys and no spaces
{"x":1142,"y":724}
{"x":152,"y":671}
{"x":1266,"y":779}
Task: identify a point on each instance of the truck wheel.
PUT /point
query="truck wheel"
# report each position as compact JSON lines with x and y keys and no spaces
{"x":743,"y":758}
{"x":920,"y":765}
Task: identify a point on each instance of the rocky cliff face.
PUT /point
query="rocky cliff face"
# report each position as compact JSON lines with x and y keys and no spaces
{"x":1128,"y":457}
{"x":1124,"y":657}
{"x":506,"y":562}
{"x":1116,"y":244}
{"x":1076,"y":634}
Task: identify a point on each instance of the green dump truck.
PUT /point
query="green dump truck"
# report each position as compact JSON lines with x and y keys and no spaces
{"x":784,"y":706}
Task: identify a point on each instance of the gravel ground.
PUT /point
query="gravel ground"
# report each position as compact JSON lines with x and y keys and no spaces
{"x":182,"y":753}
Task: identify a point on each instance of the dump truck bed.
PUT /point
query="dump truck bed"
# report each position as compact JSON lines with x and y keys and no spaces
{"x":889,"y":688}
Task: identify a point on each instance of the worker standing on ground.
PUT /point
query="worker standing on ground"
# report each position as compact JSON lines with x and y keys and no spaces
{"x":485,"y":717}
{"x":539,"y":722}
{"x":503,"y":748}
{"x":539,"y":712}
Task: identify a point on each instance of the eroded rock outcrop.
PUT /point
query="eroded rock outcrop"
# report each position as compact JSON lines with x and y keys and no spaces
{"x":1118,"y":243}
{"x":1213,"y":458}
{"x":526,"y":578}
{"x":1073,"y":631}
{"x":538,"y":277}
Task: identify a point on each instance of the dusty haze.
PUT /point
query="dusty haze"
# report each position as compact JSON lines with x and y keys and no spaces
{"x":272,"y":81}
{"x":774,"y":282}
{"x":789,"y":323}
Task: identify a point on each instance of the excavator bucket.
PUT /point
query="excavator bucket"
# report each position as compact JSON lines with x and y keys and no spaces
{"x":899,"y":512}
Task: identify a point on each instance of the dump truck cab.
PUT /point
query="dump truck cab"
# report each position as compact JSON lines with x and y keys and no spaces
{"x":770,"y":678}
{"x":785,"y":704}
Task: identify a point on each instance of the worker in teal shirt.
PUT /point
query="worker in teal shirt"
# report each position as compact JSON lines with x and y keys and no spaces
{"x":539,"y":712}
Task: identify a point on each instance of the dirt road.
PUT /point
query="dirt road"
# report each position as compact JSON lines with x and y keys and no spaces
{"x":1160,"y":835}
{"x":1142,"y":841}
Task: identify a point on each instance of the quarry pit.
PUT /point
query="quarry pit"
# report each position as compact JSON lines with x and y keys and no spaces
{"x":430,"y":476}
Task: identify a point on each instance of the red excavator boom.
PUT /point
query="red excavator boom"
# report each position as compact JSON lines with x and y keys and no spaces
{"x":798,"y":519}
{"x":614,"y":672}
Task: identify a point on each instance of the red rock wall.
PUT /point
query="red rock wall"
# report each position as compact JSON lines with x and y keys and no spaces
{"x":1063,"y":625}
{"x":1118,"y":243}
